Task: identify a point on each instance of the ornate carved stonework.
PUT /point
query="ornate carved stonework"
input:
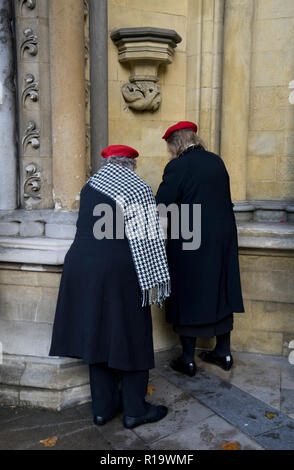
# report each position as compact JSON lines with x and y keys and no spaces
{"x":31,"y":27}
{"x":31,"y":89}
{"x":31,"y":4}
{"x":31,"y":136}
{"x":32,"y":183}
{"x":142,"y":96}
{"x":144,"y":49}
{"x":30,"y":43}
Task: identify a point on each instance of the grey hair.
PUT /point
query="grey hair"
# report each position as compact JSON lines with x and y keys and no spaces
{"x":120,"y":160}
{"x":179,"y":140}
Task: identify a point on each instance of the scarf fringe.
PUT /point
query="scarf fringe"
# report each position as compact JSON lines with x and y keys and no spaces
{"x":156,"y":294}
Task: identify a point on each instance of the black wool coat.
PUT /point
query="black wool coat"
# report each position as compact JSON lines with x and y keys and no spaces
{"x":205,"y":282}
{"x":99,"y":315}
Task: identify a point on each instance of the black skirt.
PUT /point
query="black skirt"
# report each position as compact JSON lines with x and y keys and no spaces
{"x":99,"y":315}
{"x":206,"y":331}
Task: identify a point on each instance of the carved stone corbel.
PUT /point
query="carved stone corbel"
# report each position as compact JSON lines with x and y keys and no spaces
{"x":144,"y":49}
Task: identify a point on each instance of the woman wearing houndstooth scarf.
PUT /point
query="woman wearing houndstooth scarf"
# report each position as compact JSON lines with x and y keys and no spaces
{"x":114,"y":270}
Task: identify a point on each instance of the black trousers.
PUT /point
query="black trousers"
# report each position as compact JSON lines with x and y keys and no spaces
{"x":106,"y":396}
{"x":222,"y":348}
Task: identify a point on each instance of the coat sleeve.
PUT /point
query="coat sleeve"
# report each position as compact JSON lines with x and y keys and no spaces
{"x":170,"y":189}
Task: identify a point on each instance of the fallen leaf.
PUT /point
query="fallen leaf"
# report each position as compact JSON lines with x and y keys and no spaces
{"x":270,"y":415}
{"x":150,"y":389}
{"x":231,"y":445}
{"x":49,"y":442}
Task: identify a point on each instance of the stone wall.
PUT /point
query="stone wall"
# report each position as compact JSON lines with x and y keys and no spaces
{"x":271,"y":119}
{"x":268,"y":290}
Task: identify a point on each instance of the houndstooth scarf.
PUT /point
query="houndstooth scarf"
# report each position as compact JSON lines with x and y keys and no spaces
{"x":135,"y":197}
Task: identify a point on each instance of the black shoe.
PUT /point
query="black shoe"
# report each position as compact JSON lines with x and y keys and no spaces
{"x":99,"y":420}
{"x":225,"y":362}
{"x":188,"y":368}
{"x":154,"y":413}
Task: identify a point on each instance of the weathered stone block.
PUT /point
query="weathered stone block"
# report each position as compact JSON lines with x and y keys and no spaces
{"x":273,"y":9}
{"x":176,"y":73}
{"x":264,"y":142}
{"x":175,"y":104}
{"x":19,"y":303}
{"x":261,"y":215}
{"x":275,"y":34}
{"x":9,"y":395}
{"x":173,"y":7}
{"x":263,"y":72}
{"x":43,"y":382}
{"x":273,"y":316}
{"x":25,"y":337}
{"x":60,"y":231}
{"x":26,"y":277}
{"x":262,"y":168}
{"x":9,"y":228}
{"x":285,"y":169}
{"x":11,"y":370}
{"x":268,"y":282}
{"x":54,"y":399}
{"x":31,"y":229}
{"x":257,"y":341}
{"x":54,"y":376}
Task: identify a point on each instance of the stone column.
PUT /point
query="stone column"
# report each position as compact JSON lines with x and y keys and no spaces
{"x":68,"y":101}
{"x":8,"y":175}
{"x":236,"y":92}
{"x":99,"y":79}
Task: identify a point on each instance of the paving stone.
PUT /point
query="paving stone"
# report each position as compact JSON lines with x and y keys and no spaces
{"x":121,"y":438}
{"x":183,"y":414}
{"x":26,"y":433}
{"x":278,"y":439}
{"x":164,"y":392}
{"x":86,"y":438}
{"x":287,"y":377}
{"x":10,"y":413}
{"x":113,"y":431}
{"x":236,"y":406}
{"x":250,"y":375}
{"x":17,"y":419}
{"x":209,"y":434}
{"x":287,"y":401}
{"x":85,"y":410}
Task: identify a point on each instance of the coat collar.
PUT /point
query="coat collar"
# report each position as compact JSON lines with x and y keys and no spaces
{"x":191,"y":147}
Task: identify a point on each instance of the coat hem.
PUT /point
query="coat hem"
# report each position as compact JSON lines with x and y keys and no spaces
{"x":109,"y":363}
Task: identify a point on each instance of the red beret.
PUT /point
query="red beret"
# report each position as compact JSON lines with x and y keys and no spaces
{"x":119,"y":151}
{"x":181,"y":125}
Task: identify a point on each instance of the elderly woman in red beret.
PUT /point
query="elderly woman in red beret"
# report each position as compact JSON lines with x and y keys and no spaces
{"x":115,"y":268}
{"x":205,"y":279}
